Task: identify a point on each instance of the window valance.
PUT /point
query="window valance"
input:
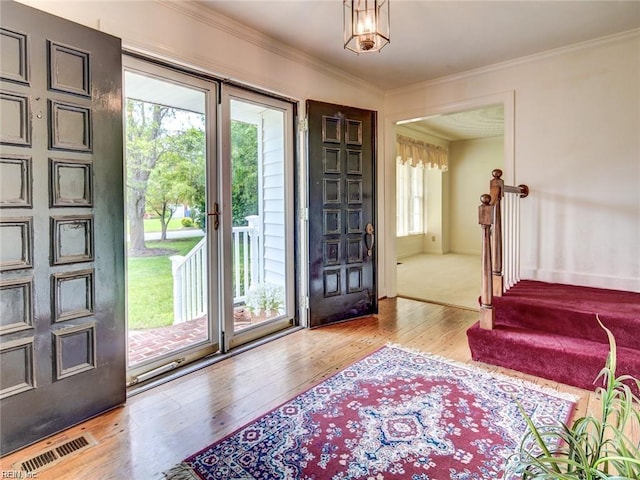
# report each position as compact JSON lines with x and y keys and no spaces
{"x":416,"y":151}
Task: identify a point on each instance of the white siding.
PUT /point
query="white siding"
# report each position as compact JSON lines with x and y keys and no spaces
{"x":273,"y":197}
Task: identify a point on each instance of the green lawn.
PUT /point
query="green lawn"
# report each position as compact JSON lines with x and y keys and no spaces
{"x":150,"y":285}
{"x":152,"y":225}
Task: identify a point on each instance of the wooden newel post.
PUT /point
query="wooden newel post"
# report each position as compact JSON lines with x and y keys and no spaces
{"x":497,"y":193}
{"x":485,"y":219}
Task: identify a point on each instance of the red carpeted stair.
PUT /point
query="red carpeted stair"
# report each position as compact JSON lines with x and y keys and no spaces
{"x":550,"y":330}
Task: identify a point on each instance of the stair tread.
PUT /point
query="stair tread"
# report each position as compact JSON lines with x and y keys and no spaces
{"x":574,"y":298}
{"x":550,"y":330}
{"x":565,"y":359}
{"x":525,"y":335}
{"x":567,"y":308}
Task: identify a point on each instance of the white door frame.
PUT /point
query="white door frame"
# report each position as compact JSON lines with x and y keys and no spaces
{"x":507,"y":99}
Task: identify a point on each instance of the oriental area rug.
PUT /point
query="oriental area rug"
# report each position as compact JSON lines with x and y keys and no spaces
{"x":396,"y":414}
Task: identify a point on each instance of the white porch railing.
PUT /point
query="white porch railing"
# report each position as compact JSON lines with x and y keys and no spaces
{"x":190,"y":283}
{"x":189,"y":272}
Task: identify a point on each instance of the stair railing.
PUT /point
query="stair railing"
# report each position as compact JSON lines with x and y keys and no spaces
{"x":500,"y":242}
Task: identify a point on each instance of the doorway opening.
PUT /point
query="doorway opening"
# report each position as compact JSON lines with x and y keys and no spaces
{"x":209,"y":205}
{"x":437,"y":236}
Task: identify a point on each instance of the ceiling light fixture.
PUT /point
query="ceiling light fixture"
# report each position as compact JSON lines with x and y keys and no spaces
{"x":366,"y":25}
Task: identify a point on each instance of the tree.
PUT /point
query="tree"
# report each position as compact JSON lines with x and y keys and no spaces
{"x":244,"y":171}
{"x":192,"y":146}
{"x":166,"y":166}
{"x":244,"y":176}
{"x":167,"y":187}
{"x":144,"y":146}
{"x":178,"y":176}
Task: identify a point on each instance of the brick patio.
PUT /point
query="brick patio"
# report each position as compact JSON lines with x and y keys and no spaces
{"x":154,"y":342}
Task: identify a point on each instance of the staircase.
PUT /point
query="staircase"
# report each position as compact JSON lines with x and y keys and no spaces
{"x":551,"y":331}
{"x":547,"y":330}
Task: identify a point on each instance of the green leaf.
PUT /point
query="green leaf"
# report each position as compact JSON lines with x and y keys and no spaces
{"x":591,"y":448}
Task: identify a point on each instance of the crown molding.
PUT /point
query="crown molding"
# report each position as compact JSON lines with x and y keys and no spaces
{"x":535,"y":57}
{"x":201,"y":13}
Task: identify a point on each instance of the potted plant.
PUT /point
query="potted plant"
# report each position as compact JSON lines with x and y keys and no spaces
{"x":264,"y":300}
{"x":593,"y":447}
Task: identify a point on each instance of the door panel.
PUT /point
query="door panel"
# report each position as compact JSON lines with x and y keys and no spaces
{"x":172,"y":256}
{"x":62,"y":342}
{"x":257,"y":215}
{"x":342,"y":258}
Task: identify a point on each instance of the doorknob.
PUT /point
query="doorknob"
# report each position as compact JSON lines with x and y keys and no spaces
{"x":216,"y":215}
{"x":369,"y":238}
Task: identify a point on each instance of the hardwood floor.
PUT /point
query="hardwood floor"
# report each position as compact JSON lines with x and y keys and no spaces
{"x":160,"y":427}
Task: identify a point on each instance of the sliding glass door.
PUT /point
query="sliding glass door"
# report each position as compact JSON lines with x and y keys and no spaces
{"x":172,"y":249}
{"x":257,"y":191}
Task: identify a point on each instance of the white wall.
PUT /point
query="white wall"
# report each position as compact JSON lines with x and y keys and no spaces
{"x":409,"y":245}
{"x":437,"y":240}
{"x":189,"y":34}
{"x":470,"y":166}
{"x":577,"y":146}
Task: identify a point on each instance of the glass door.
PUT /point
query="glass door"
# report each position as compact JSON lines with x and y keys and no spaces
{"x":257,"y":191}
{"x":171,"y":247}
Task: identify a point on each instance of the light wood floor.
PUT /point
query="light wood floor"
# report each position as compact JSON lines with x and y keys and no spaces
{"x":162,"y":426}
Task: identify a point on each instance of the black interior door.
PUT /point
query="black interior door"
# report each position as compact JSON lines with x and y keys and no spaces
{"x":62,"y":324}
{"x":342,"y":249}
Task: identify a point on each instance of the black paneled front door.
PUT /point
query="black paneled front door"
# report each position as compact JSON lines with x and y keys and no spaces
{"x":342,"y":250}
{"x":62,"y":325}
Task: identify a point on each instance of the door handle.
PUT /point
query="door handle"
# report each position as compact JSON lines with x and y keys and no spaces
{"x":216,"y":215}
{"x":369,"y":238}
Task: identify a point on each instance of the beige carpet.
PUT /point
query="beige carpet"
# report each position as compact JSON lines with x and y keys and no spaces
{"x":451,"y":279}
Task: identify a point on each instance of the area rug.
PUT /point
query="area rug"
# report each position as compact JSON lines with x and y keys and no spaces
{"x":395,"y":414}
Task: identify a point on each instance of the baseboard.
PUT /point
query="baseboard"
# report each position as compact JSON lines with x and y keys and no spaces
{"x":467,"y":252}
{"x":433,"y":251}
{"x":627,"y":284}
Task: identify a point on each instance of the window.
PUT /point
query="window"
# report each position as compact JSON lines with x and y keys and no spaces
{"x":410,"y":198}
{"x":413,"y":156}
